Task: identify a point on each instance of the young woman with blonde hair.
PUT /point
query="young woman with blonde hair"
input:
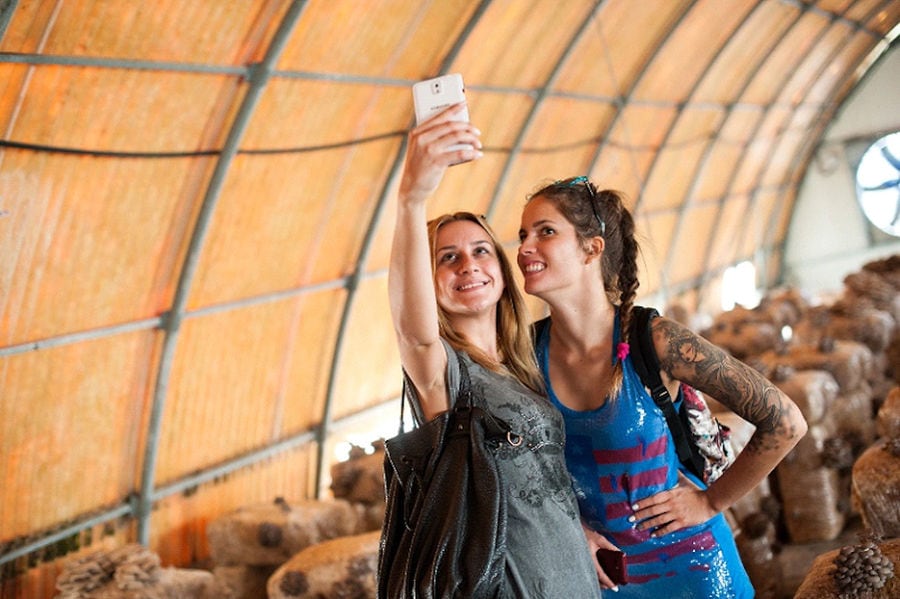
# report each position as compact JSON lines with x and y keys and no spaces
{"x":453,"y":302}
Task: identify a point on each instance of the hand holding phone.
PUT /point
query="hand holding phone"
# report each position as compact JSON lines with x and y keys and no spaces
{"x":435,"y":95}
{"x":613,"y":563}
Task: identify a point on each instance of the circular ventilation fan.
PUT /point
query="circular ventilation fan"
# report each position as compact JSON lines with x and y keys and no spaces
{"x":878,"y":184}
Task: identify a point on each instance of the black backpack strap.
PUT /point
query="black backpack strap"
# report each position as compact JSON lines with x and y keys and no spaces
{"x":646,"y":364}
{"x":537,"y":328}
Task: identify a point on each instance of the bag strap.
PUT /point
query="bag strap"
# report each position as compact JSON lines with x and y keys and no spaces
{"x":464,"y":395}
{"x":537,"y":328}
{"x":403,"y":398}
{"x":646,"y":364}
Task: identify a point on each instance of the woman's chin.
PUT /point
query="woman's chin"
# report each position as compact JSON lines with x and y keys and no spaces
{"x":531,"y":287}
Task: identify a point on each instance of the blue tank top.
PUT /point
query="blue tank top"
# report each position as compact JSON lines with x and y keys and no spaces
{"x":622,"y":452}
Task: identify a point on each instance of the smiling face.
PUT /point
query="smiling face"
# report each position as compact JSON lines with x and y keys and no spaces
{"x":551,"y":255}
{"x":467,"y":275}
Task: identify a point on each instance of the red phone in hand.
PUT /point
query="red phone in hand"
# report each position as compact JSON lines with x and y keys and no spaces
{"x":613,"y":563}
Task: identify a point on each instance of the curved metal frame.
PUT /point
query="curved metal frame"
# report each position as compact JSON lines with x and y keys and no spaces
{"x":793,"y":169}
{"x":259,"y":77}
{"x":624,"y":100}
{"x":690,"y":195}
{"x":705,"y":276}
{"x":535,"y":107}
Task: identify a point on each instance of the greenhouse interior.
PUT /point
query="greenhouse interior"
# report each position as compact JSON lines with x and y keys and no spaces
{"x":200,"y":357}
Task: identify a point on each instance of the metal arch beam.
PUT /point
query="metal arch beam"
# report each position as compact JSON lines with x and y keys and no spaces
{"x":354,"y":279}
{"x":130,"y":64}
{"x":689,"y":197}
{"x":6,"y":13}
{"x":259,"y":76}
{"x":705,"y":274}
{"x":244,"y":71}
{"x":837,"y":17}
{"x":133,"y":64}
{"x":826,"y":113}
{"x":145,"y":324}
{"x":542,"y":94}
{"x":858,"y":26}
{"x":624,"y":101}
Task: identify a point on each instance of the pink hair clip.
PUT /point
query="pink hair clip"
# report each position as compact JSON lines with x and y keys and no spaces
{"x":622,"y":351}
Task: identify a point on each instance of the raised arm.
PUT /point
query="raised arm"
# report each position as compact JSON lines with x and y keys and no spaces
{"x":410,"y":280}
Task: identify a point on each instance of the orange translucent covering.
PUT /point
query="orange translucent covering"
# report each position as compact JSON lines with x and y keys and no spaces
{"x":197,"y":201}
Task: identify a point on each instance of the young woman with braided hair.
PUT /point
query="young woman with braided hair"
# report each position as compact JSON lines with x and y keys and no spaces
{"x":578,"y":253}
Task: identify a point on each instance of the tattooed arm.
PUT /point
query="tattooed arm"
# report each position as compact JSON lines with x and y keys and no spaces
{"x":688,"y":357}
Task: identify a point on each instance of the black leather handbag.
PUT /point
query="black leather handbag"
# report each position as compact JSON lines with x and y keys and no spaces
{"x":444,"y":531}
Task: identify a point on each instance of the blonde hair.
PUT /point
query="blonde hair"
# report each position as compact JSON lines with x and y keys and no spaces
{"x":513,"y":323}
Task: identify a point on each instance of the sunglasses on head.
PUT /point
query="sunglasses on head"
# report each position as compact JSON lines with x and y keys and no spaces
{"x":592,"y":197}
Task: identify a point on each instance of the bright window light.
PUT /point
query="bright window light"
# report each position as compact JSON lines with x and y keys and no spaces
{"x":787,"y":332}
{"x":379,"y":424}
{"x":739,"y":287}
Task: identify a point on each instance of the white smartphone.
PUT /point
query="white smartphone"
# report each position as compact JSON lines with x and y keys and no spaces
{"x":431,"y":96}
{"x":434,"y":95}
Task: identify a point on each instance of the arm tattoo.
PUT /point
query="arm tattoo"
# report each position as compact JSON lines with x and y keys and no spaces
{"x":704,"y":366}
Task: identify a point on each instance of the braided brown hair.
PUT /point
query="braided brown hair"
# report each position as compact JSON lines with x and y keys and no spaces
{"x":602,"y":213}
